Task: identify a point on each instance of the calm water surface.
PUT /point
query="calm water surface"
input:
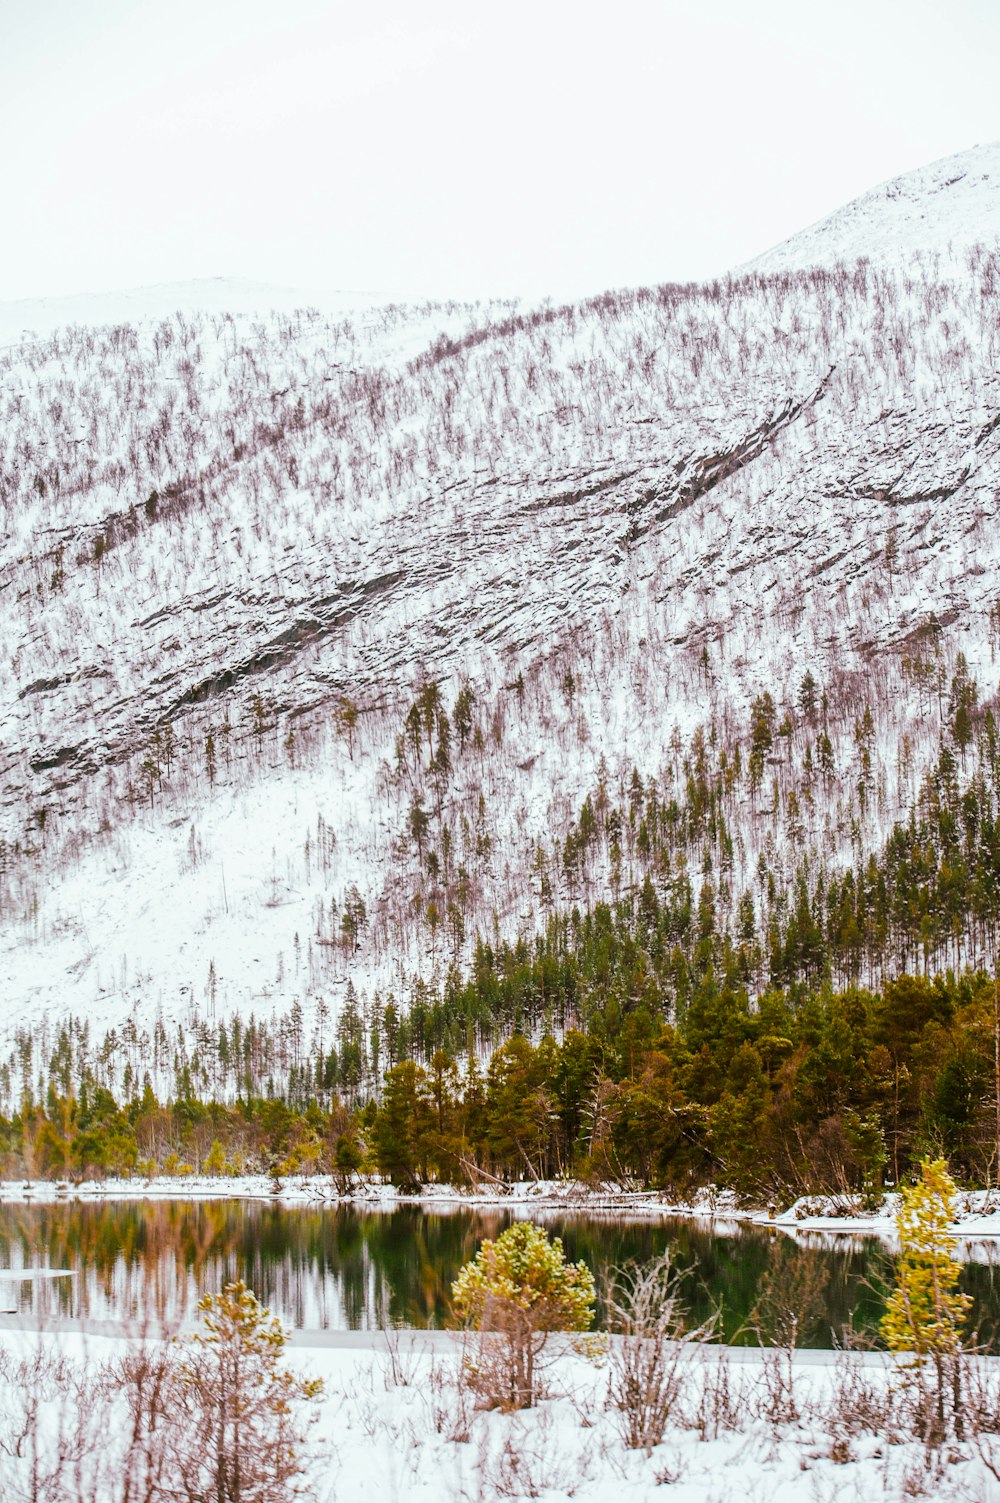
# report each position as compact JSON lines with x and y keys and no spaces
{"x":348,"y":1268}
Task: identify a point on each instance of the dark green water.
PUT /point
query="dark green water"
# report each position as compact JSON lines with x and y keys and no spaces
{"x":346,"y":1268}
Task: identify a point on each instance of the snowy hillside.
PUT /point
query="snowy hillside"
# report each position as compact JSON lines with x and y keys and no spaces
{"x":942,"y":211}
{"x":249,"y":566}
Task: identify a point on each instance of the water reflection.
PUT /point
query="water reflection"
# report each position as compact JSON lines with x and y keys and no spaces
{"x":350,"y":1268}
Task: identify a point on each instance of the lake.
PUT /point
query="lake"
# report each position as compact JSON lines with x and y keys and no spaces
{"x":347,"y":1268}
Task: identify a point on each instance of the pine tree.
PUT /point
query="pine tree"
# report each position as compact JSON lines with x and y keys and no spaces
{"x":402,"y":1125}
{"x":462,"y":714}
{"x":238,"y":1437}
{"x":824,"y":750}
{"x":419,"y":823}
{"x":345,"y":718}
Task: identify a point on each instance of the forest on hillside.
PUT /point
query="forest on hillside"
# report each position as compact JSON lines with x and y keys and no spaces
{"x":819,"y":1028}
{"x":441,"y":624}
{"x":809,"y":1091}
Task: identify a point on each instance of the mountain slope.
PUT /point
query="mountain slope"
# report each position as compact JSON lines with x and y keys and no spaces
{"x":212,"y":296}
{"x":944,"y":210}
{"x":240,"y":553}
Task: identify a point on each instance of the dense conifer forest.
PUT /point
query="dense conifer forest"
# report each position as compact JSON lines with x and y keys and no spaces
{"x":811,"y":1090}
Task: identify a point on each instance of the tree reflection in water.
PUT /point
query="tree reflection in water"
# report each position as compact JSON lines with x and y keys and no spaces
{"x":342,"y":1267}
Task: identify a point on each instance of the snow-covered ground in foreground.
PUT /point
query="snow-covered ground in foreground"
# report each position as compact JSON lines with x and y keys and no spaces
{"x":394,"y":1423}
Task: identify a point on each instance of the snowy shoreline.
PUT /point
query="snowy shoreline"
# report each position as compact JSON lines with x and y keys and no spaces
{"x":978,"y":1211}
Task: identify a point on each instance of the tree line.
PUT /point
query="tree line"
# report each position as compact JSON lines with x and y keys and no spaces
{"x":803,"y":1090}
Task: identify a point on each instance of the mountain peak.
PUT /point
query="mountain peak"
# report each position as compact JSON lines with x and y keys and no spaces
{"x":942,"y":209}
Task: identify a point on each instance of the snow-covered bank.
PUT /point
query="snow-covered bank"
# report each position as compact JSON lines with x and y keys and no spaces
{"x":977,"y":1216}
{"x":373,"y":1194}
{"x":977,"y":1211}
{"x":394,"y":1421}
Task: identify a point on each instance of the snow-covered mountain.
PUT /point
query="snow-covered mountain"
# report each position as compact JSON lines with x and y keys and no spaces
{"x":237,"y":550}
{"x":942,"y":211}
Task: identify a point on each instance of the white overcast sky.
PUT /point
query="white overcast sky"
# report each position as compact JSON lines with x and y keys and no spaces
{"x":457,"y":148}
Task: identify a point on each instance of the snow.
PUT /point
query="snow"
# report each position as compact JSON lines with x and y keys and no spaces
{"x":613,"y":488}
{"x":977,"y":1216}
{"x":394,"y":1422}
{"x":39,"y":317}
{"x":530,"y":1196}
{"x":942,"y":210}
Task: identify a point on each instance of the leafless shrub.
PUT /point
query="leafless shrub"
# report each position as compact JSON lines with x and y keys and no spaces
{"x":649,"y":1357}
{"x":147,"y":1377}
{"x":789,"y":1301}
{"x":450,"y":1401}
{"x":529,"y":1461}
{"x":720,"y":1404}
{"x":862,"y":1402}
{"x":53,"y":1446}
{"x":397,"y":1358}
{"x":981,"y":1384}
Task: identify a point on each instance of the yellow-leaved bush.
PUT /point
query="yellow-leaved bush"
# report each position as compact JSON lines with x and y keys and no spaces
{"x":234,"y":1402}
{"x":925,"y":1314}
{"x":515,"y":1292}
